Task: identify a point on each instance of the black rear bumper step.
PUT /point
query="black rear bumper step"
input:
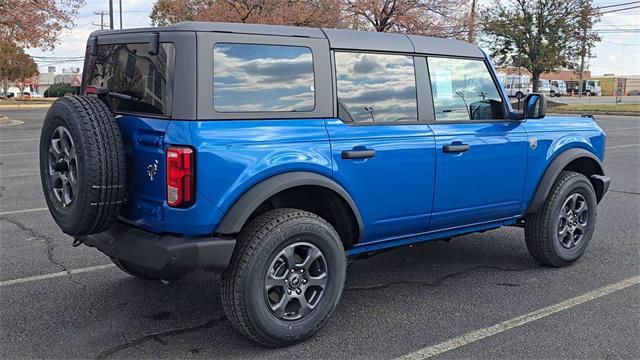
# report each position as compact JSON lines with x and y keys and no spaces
{"x":163,"y":256}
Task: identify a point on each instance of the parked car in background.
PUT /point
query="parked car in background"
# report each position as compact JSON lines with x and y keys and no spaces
{"x":517,"y":86}
{"x":589,"y":87}
{"x":558,"y":88}
{"x":592,"y":88}
{"x":544,"y":87}
{"x":31,"y":95}
{"x":13,"y":92}
{"x":274,"y":154}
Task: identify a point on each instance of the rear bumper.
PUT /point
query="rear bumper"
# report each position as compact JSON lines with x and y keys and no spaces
{"x":163,"y":256}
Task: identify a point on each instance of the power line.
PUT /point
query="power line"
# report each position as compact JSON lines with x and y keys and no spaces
{"x":616,"y":5}
{"x":618,"y":10}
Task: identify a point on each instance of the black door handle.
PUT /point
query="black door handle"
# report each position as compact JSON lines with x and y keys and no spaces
{"x":460,"y":148}
{"x":358,"y":154}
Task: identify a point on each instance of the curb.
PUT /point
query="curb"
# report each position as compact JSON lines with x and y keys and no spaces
{"x":24,"y":106}
{"x":619,"y":113}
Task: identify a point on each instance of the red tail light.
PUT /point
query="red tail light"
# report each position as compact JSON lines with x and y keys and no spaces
{"x":180,"y":176}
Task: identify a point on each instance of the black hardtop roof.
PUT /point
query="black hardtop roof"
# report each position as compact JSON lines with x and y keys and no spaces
{"x":338,"y":38}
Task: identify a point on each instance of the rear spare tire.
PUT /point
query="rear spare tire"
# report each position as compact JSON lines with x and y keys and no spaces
{"x":82,"y":165}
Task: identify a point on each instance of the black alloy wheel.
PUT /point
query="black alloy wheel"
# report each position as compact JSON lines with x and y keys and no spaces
{"x":63,"y":166}
{"x":295,"y":281}
{"x":573,"y":221}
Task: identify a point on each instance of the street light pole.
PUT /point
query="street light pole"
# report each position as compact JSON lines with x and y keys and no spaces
{"x":111,"y":14}
{"x":120,"y":7}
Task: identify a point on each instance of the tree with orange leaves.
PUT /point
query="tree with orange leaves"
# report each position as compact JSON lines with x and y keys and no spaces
{"x":427,"y":17}
{"x":36,"y":23}
{"x":312,"y":13}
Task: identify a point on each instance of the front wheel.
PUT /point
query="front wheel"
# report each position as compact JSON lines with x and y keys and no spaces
{"x":558,"y":234}
{"x":285,"y":278}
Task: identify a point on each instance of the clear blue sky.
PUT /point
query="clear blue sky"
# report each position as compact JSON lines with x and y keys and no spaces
{"x":618,"y":53}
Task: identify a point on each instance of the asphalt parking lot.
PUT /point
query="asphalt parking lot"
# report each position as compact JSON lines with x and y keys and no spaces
{"x":57,"y":301}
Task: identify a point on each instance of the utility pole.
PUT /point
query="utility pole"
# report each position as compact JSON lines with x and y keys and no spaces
{"x":472,"y":23}
{"x":587,"y":13}
{"x":111,"y":14}
{"x":102,"y":13}
{"x":583,"y":54}
{"x":120,"y":7}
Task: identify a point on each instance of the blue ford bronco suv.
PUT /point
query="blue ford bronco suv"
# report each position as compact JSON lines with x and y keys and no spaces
{"x":274,"y":154}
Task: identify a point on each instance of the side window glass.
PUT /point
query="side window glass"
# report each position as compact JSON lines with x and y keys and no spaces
{"x":376,"y":88}
{"x":463,"y":90}
{"x":262,"y":78}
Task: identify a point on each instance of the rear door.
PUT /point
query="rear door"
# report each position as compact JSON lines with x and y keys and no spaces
{"x":480,"y":155}
{"x":383,"y":151}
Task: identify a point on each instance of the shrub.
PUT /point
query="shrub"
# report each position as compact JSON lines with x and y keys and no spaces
{"x":58,"y":90}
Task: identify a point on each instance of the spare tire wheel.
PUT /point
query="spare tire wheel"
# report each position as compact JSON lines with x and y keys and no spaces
{"x":82,"y":165}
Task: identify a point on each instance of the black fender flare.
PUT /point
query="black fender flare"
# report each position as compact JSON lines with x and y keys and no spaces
{"x":554,"y":169}
{"x":244,"y":206}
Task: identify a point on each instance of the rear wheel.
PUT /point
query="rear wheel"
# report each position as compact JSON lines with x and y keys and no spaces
{"x":519,"y":95}
{"x":558,"y":234}
{"x":285,"y":278}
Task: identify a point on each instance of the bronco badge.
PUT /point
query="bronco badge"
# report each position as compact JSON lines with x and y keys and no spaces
{"x":152,"y":169}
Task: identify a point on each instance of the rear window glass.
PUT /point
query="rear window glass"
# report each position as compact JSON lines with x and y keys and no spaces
{"x":129,"y":69}
{"x":262,"y":78}
{"x":376,"y":88}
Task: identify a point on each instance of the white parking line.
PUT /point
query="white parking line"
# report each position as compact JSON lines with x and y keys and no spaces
{"x":16,"y":140}
{"x":621,"y":146}
{"x":519,"y":321}
{"x":22,"y":211}
{"x":22,"y":153}
{"x":55,"y":275}
{"x":18,"y":175}
{"x":620,"y":129}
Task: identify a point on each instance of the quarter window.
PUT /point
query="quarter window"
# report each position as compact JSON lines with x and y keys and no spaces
{"x":262,"y":78}
{"x":376,"y":88}
{"x":463,"y":90}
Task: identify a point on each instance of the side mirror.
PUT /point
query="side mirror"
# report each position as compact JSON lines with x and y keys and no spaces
{"x":535,"y":106}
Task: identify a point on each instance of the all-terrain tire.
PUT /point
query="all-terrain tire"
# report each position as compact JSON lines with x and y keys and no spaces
{"x":243,"y":283}
{"x":543,"y":228}
{"x":90,"y":129}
